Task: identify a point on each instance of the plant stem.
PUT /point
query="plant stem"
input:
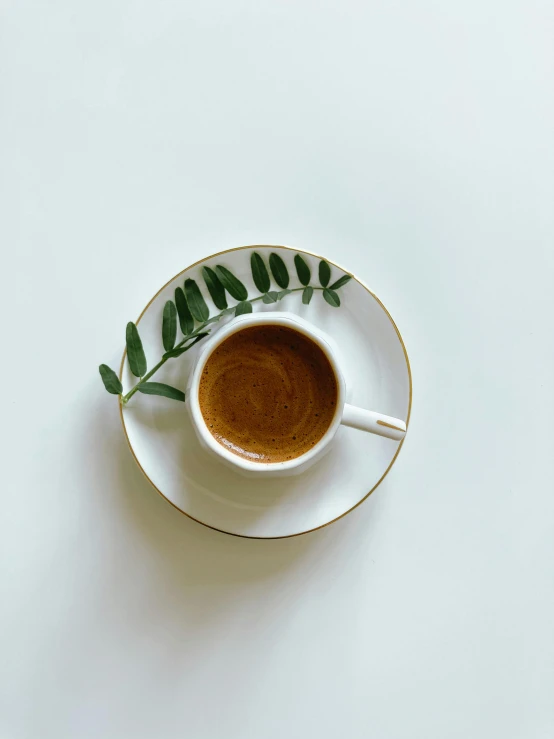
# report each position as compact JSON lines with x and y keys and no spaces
{"x":126,"y":398}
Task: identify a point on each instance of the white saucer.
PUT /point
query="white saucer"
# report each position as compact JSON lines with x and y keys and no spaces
{"x":378,"y":376}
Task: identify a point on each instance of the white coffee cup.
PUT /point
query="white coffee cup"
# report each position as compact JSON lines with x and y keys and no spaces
{"x":348,"y":415}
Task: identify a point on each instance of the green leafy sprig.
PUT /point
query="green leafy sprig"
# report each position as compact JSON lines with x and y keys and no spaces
{"x":189,"y":311}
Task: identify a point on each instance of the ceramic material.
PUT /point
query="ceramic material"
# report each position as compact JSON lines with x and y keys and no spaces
{"x":364,"y":420}
{"x":375,"y":364}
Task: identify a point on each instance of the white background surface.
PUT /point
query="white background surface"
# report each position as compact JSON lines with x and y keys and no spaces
{"x":411,"y":141}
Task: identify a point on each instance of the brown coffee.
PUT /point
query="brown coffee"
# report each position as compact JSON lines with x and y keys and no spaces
{"x":268,"y":393}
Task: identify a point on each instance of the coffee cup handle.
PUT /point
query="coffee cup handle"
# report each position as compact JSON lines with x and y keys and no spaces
{"x":375,"y":423}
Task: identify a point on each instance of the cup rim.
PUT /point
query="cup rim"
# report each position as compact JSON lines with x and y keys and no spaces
{"x":273,"y":318}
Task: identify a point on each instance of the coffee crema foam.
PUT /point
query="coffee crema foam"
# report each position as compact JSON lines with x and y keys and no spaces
{"x":268,"y":393}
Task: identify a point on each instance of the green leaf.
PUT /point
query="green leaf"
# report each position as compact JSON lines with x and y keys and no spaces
{"x":279,"y":270}
{"x":110,"y":380}
{"x":169,"y":325}
{"x":135,"y":352}
{"x":340,"y":282}
{"x":234,"y":287}
{"x":283,"y":293}
{"x":243,"y":307}
{"x":331,"y":297}
{"x":182,"y":349}
{"x":270,"y":297}
{"x":186,"y":320}
{"x":259,"y":272}
{"x":302,"y":270}
{"x":160,"y":388}
{"x":175,"y":352}
{"x":307,"y":293}
{"x":324,"y":273}
{"x":216,"y":289}
{"x":196,"y":302}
